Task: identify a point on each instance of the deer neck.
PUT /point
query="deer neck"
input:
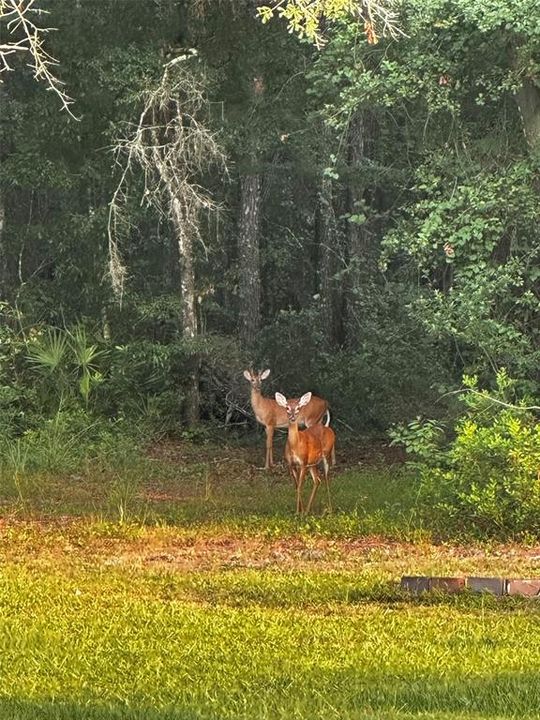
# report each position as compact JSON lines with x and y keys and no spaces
{"x":260,"y":406}
{"x":294,"y":434}
{"x":256,"y":398}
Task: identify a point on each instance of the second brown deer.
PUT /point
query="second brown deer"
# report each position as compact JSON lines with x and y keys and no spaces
{"x":307,"y":449}
{"x":272,"y":416}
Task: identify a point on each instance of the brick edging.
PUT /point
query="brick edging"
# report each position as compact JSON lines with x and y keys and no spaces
{"x":525,"y":587}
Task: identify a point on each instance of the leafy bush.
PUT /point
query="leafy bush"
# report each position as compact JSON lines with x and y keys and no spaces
{"x":422,"y":439}
{"x":149,"y":380}
{"x":487,"y":479}
{"x":18,"y":401}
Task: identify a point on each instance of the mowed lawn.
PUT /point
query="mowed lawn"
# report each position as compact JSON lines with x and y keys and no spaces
{"x":186,"y":588}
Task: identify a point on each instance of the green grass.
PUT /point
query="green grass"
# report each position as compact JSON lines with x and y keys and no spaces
{"x":185,"y":587}
{"x":225,"y":647}
{"x":225,"y":488}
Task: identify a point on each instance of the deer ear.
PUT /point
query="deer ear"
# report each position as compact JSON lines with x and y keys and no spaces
{"x":265,"y":374}
{"x":281,"y":399}
{"x":304,"y":399}
{"x":247,"y":375}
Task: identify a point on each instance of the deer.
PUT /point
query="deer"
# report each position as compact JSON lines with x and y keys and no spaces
{"x":272,"y":416}
{"x":306,"y":449}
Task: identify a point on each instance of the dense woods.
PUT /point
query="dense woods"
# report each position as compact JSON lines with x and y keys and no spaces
{"x":359,"y":214}
{"x":269,"y":359}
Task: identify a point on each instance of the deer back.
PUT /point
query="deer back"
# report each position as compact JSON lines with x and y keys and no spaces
{"x":310,"y":445}
{"x":313,"y":412}
{"x":268,"y":412}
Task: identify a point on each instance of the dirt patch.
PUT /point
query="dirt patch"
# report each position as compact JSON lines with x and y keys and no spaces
{"x":176,"y":549}
{"x":363,"y":451}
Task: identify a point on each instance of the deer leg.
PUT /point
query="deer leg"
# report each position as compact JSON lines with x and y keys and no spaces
{"x":293,"y":474}
{"x":333,"y":455}
{"x":269,"y":443}
{"x":301,"y":473}
{"x":325,"y":466}
{"x":316,"y":482}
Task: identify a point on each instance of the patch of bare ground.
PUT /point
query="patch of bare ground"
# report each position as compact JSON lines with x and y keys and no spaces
{"x":175,"y":549}
{"x":361,"y":452}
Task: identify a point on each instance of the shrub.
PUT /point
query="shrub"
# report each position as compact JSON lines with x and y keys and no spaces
{"x":487,"y":479}
{"x":496,"y":472}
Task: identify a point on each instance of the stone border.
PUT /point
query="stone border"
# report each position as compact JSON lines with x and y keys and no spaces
{"x":524,"y":587}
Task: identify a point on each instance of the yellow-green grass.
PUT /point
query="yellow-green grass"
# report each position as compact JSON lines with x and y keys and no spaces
{"x":223,"y":487}
{"x":98,"y":642}
{"x":174,"y":590}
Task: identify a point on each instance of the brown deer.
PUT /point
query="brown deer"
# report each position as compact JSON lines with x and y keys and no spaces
{"x":306,"y":449}
{"x":272,"y":416}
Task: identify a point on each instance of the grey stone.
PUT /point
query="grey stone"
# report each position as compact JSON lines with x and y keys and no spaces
{"x":492,"y":585}
{"x":415,"y":584}
{"x":448,"y":584}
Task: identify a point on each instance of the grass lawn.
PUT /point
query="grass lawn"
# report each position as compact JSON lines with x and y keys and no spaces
{"x":184,"y":587}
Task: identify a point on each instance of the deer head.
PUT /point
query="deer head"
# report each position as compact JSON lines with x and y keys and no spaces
{"x":293,"y":407}
{"x":255,"y":378}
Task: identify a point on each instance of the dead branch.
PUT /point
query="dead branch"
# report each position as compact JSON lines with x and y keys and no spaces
{"x":173,"y":147}
{"x":27,"y":37}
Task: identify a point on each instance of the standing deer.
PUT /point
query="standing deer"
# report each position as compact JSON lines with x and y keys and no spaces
{"x":306,"y":449}
{"x":272,"y":416}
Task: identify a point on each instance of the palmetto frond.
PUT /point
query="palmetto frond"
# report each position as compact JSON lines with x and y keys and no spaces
{"x":49,"y":352}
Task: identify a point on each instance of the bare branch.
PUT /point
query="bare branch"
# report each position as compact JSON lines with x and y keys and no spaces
{"x":489,"y":398}
{"x":27,"y":37}
{"x":173,"y":147}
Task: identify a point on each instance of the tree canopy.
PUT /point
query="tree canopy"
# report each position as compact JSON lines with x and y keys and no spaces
{"x":373,"y":233}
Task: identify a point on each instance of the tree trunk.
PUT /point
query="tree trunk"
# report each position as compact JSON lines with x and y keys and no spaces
{"x":327,"y":241}
{"x":248,"y":260}
{"x":528,"y":102}
{"x":3,"y":255}
{"x":187,"y":271}
{"x":189,"y":312}
{"x":358,"y":235}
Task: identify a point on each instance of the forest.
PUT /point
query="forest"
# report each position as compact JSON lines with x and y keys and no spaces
{"x":209,"y":204}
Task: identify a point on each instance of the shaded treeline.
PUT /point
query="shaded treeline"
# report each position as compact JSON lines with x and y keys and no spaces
{"x":376,"y":232}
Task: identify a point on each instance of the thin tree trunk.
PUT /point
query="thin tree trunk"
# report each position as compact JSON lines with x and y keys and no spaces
{"x":528,"y":102}
{"x":3,"y":255}
{"x":248,"y":252}
{"x":326,"y":231}
{"x":358,"y":235}
{"x":187,"y":271}
{"x":188,"y":304}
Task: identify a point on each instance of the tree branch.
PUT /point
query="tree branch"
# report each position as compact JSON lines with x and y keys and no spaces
{"x":17,"y":17}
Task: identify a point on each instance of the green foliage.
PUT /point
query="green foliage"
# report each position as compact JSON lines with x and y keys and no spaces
{"x":487,"y":480}
{"x":67,"y":361}
{"x":477,"y":249}
{"x":18,"y":399}
{"x":466,"y":231}
{"x":422,"y":438}
{"x":390,"y":371}
{"x":496,"y":473}
{"x":148,"y":381}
